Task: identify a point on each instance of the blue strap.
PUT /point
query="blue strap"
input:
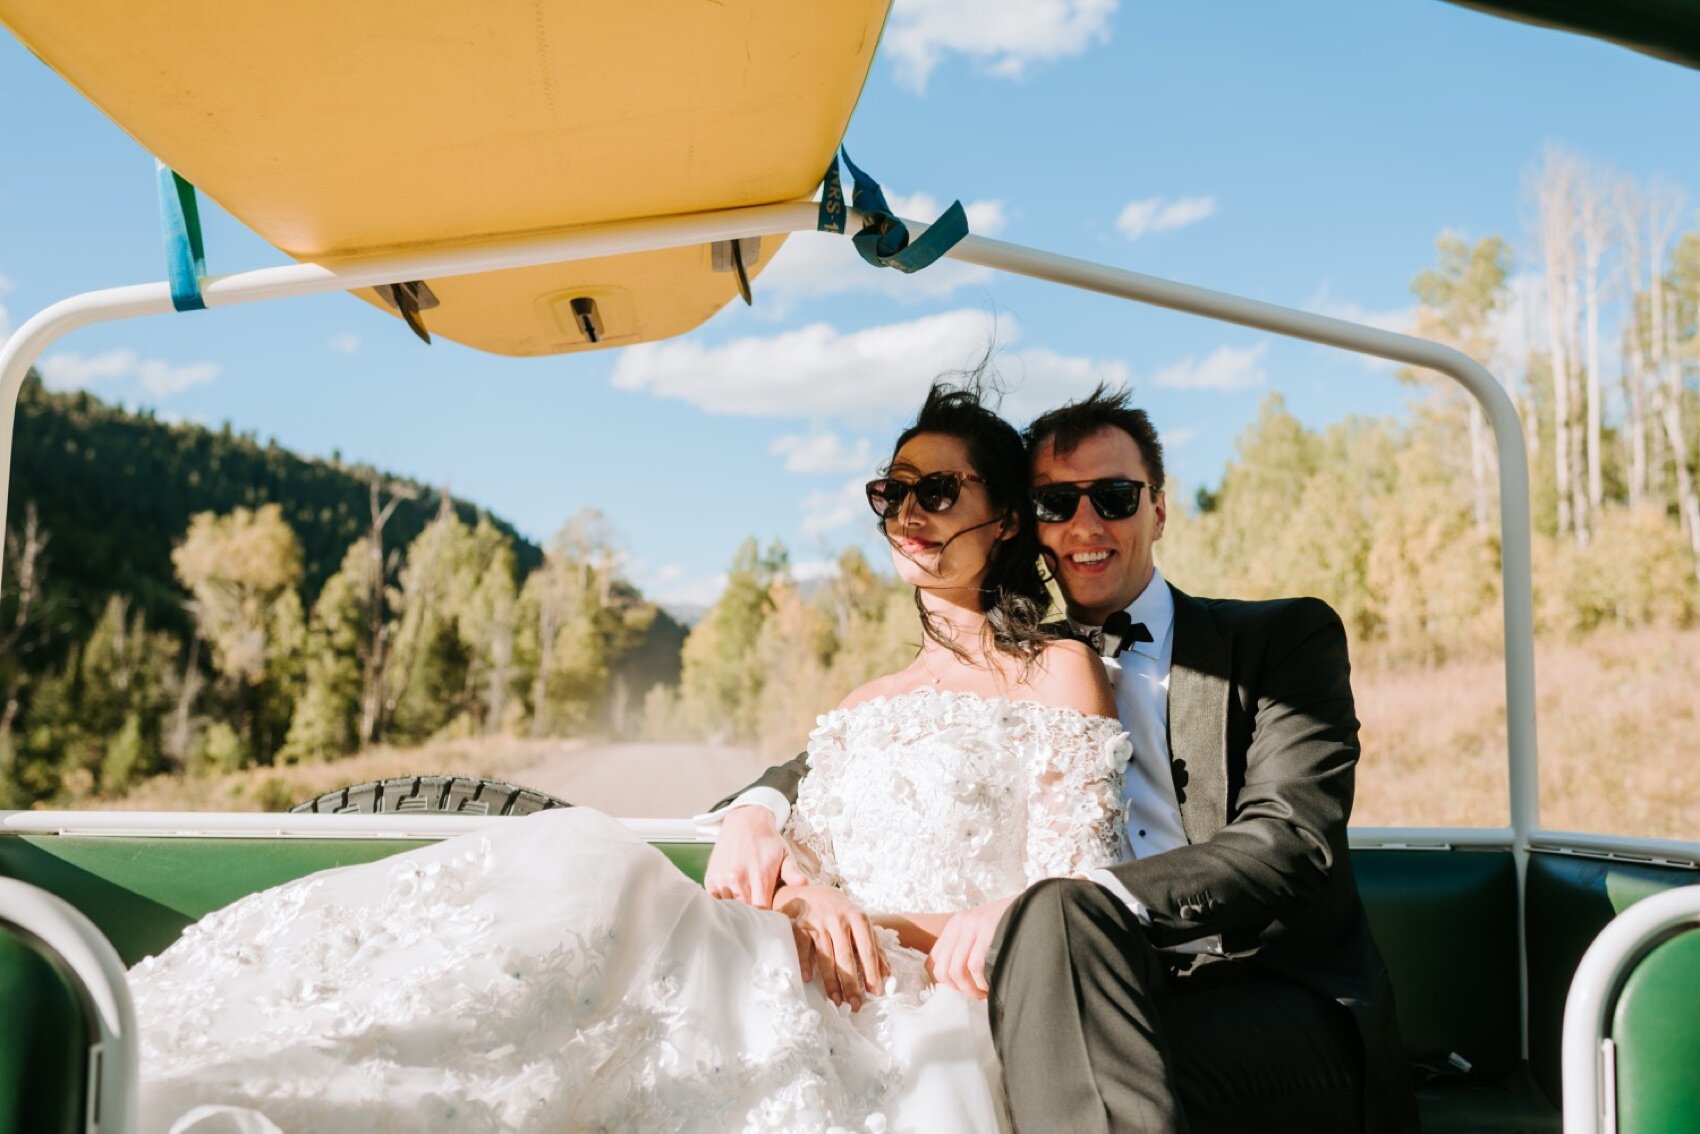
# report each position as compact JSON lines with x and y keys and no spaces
{"x":185,"y":252}
{"x":831,"y":200}
{"x":884,"y":239}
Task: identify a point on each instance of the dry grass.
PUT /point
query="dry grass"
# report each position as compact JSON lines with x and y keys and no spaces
{"x":1616,"y":721}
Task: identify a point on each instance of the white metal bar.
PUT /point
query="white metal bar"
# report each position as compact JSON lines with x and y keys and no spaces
{"x":1593,"y":997}
{"x":1656,"y":852}
{"x":1431,"y":838}
{"x":287,"y":825}
{"x":88,"y":961}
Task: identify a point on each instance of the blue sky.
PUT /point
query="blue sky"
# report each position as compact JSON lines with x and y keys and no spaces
{"x":1305,"y":153}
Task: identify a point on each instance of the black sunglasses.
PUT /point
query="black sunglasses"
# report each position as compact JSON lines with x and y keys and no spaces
{"x":935,"y":492}
{"x":1112,"y":498}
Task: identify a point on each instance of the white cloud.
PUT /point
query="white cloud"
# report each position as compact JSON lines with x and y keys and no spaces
{"x":1178,"y":436}
{"x":823,"y":453}
{"x":865,"y":378}
{"x":1386,"y":319}
{"x":1225,"y":368}
{"x":1159,"y":214}
{"x":670,"y":584}
{"x":1004,"y":37}
{"x":161,"y":379}
{"x":815,"y":264}
{"x":701,"y":590}
{"x":1519,"y":326}
{"x":827,"y":510}
{"x":814,"y":570}
{"x":812,"y":371}
{"x":1037,"y":379}
{"x":1397,"y":319}
{"x":345,"y":343}
{"x":68,"y":370}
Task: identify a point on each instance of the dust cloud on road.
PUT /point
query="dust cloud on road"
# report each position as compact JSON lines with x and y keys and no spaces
{"x":644,"y":780}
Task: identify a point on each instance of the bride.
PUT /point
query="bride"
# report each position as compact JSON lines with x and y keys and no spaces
{"x":557,"y":973}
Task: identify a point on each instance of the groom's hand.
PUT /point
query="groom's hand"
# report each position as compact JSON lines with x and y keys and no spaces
{"x":749,"y":859}
{"x":958,"y":958}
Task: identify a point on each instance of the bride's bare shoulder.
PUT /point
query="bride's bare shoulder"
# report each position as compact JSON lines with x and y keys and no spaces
{"x":1070,"y":674}
{"x":879,"y":687}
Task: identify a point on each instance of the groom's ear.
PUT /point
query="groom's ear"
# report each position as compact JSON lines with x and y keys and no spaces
{"x":1010,"y":525}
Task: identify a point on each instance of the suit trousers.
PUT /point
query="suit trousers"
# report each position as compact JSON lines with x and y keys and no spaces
{"x":1098,"y":1030}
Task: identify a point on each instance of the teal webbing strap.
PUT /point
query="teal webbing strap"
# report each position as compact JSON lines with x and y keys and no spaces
{"x":185,"y":252}
{"x":884,"y":239}
{"x":831,"y":200}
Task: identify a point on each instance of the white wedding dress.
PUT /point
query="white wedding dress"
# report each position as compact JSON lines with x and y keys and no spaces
{"x":556,"y":973}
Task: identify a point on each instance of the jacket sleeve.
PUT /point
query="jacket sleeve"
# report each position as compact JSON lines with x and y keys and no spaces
{"x":1287,"y":824}
{"x":783,"y":778}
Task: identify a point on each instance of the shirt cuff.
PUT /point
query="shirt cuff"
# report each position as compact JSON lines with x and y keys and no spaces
{"x":1114,"y":885}
{"x":708,"y":823}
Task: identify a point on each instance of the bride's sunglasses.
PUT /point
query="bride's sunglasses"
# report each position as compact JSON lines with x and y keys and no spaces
{"x":935,"y":492}
{"x":1112,"y":499}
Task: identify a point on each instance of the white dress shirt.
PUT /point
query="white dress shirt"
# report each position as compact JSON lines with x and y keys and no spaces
{"x":1140,"y":679}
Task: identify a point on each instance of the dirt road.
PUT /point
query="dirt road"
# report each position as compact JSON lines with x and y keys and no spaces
{"x":648,"y":781}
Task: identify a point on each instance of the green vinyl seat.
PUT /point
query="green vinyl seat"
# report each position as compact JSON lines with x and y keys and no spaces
{"x":1656,"y":1033}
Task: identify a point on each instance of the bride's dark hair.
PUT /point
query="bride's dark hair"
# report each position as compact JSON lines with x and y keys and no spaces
{"x":1012,"y":593}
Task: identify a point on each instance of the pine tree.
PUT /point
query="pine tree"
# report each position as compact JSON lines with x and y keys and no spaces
{"x":720,"y":678}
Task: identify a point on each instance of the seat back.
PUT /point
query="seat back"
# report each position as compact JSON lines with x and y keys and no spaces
{"x":1446,"y":924}
{"x":1571,"y":899}
{"x":1631,"y":1040}
{"x":1656,"y":1035}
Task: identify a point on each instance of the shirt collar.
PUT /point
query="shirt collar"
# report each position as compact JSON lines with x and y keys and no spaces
{"x":1155,"y":607}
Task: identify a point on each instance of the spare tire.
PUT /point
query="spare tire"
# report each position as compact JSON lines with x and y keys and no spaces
{"x":448,"y":795}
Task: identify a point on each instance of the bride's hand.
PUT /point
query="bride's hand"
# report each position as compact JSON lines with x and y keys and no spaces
{"x":958,"y":958}
{"x":749,"y":859}
{"x":836,"y":937}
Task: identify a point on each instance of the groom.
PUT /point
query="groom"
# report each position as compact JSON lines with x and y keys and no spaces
{"x":1223,"y":978}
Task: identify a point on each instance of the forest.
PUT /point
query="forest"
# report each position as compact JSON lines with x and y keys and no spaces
{"x":179,"y":600}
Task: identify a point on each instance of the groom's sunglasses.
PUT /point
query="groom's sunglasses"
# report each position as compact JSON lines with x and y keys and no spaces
{"x":1112,"y":499}
{"x":935,"y":492}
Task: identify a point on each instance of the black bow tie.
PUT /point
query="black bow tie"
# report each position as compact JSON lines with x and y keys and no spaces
{"x":1118,"y":632}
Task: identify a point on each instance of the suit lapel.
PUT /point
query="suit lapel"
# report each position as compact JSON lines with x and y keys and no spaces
{"x":1199,"y":688}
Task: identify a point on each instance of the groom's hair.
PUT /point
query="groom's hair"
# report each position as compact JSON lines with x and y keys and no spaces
{"x":1106,"y":407}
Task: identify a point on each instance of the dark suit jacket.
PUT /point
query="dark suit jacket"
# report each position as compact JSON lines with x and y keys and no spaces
{"x":1263,"y":739}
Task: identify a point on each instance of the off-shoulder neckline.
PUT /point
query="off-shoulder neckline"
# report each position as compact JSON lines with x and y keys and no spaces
{"x":968,"y":694}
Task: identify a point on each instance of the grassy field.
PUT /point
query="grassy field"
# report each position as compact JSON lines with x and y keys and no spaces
{"x":1618,"y":727}
{"x":1617,"y":724}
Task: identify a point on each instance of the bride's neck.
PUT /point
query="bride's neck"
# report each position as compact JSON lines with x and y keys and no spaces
{"x":957,"y":617}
